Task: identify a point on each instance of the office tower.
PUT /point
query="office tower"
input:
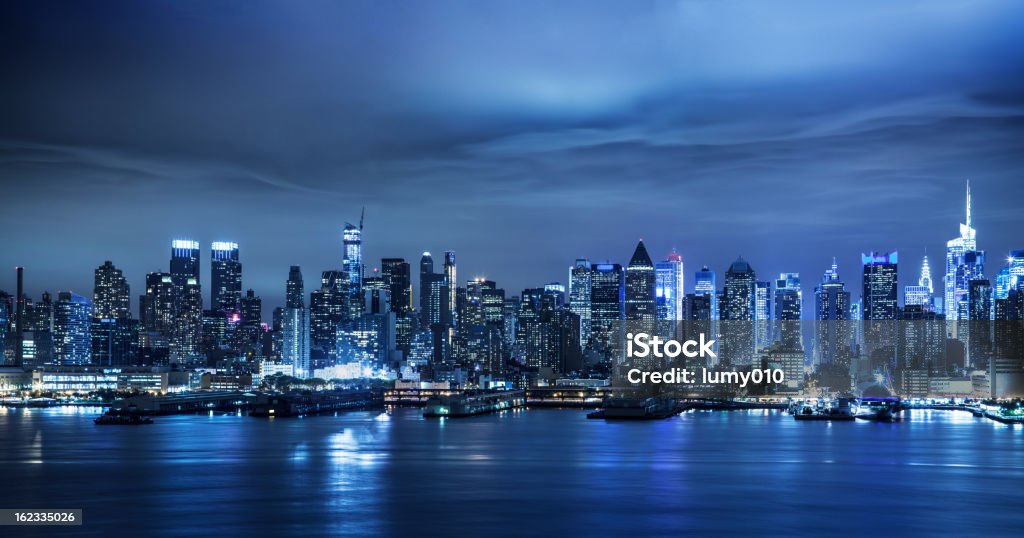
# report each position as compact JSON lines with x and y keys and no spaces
{"x":552,"y":338}
{"x":368,"y":341}
{"x":449,"y":311}
{"x":352,"y":268}
{"x":19,"y":317}
{"x":7,"y":323}
{"x":437,"y":293}
{"x":980,"y":328}
{"x":426,"y":276}
{"x":640,"y":284}
{"x":879,"y":297}
{"x":762,"y":314}
{"x":225,"y":277}
{"x":921,"y":294}
{"x":668,"y":291}
{"x":156,"y":306}
{"x":789,"y":297}
{"x":295,"y":325}
{"x":556,"y":291}
{"x":110,"y":296}
{"x":705,"y":284}
{"x":510,"y":320}
{"x":880,"y":278}
{"x":970,"y":265}
{"x":115,"y":341}
{"x":579,"y":297}
{"x":188,"y":301}
{"x":186,"y":341}
{"x":832,"y":312}
{"x":328,"y":306}
{"x":606,"y":303}
{"x":1011,"y":276}
{"x":377,"y":294}
{"x":956,"y":288}
{"x":252,"y":308}
{"x":397,"y":278}
{"x":737,"y":314}
{"x":39,"y":316}
{"x":481,"y":325}
{"x":72,"y":329}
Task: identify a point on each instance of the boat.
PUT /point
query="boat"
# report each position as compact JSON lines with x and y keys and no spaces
{"x":635,"y":409}
{"x":837,"y":413}
{"x":122,"y":420}
{"x":884,"y":409}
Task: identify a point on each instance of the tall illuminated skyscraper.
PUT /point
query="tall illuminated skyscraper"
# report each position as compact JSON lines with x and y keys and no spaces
{"x":396,"y":275}
{"x":426,"y":282}
{"x":640,"y":284}
{"x":606,"y":302}
{"x":579,"y":296}
{"x":295,"y":326}
{"x":225,"y":277}
{"x":72,"y":329}
{"x":879,"y":294}
{"x":352,"y":268}
{"x":669,"y":290}
{"x":449,"y":312}
{"x":956,"y":290}
{"x":789,"y":297}
{"x":762,"y":314}
{"x":831,"y":311}
{"x":704,"y":284}
{"x":738,"y":294}
{"x":921,"y":294}
{"x":188,"y":300}
{"x":111,"y":294}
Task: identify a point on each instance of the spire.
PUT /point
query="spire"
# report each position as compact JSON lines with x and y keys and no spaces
{"x":968,"y":223}
{"x":926,"y":275}
{"x":640,"y":257}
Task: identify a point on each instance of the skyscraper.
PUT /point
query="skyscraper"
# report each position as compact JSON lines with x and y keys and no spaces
{"x":640,"y":284}
{"x":705,"y":284}
{"x":396,"y":275}
{"x":579,"y":297}
{"x":295,"y":326}
{"x":352,"y":268}
{"x":762,"y":314}
{"x":669,"y":290}
{"x":327,"y":308}
{"x":956,"y":289}
{"x":880,"y":278}
{"x":789,"y":298}
{"x":832,"y":311}
{"x":225,"y":277}
{"x":921,"y":294}
{"x":426,"y":270}
{"x":449,"y":312}
{"x":72,"y":329}
{"x":110,"y":294}
{"x":738,"y":313}
{"x":188,"y":300}
{"x":606,"y":302}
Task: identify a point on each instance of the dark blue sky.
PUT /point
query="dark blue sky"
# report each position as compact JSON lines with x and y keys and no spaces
{"x":519,"y":134}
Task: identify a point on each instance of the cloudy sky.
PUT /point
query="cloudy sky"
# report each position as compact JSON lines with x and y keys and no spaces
{"x":519,"y":134}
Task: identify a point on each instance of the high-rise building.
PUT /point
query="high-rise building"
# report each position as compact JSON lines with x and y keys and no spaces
{"x":606,"y":302}
{"x":669,"y":291}
{"x":396,"y":275}
{"x":831,"y":311}
{"x":579,"y":297}
{"x":115,"y":341}
{"x":737,"y":314}
{"x":157,"y":305}
{"x":762,"y":314}
{"x":72,"y":329}
{"x":640,"y":284}
{"x":449,"y":312}
{"x":352,"y":268}
{"x":225,"y":277}
{"x":789,"y":297}
{"x":426,"y":272}
{"x":188,"y":300}
{"x":921,"y":294}
{"x":295,"y":326}
{"x":328,"y":306}
{"x":955,"y":287}
{"x":880,"y":278}
{"x":705,"y":284}
{"x":110,"y":294}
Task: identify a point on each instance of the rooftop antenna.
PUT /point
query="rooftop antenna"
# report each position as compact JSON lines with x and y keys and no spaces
{"x":361,"y":216}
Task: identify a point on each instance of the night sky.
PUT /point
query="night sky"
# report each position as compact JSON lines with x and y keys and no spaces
{"x":519,"y":134}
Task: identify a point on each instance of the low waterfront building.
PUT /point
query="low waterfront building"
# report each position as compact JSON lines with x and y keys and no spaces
{"x":80,"y":379}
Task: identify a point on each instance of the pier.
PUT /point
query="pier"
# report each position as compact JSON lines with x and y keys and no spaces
{"x":474,"y":404}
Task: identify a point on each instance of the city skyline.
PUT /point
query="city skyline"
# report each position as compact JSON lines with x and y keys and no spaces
{"x":787,"y":143}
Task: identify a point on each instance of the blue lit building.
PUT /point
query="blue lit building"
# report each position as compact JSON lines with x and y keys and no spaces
{"x":705,"y":284}
{"x":225,"y":277}
{"x":579,"y":296}
{"x":72,"y":329}
{"x":668,"y":290}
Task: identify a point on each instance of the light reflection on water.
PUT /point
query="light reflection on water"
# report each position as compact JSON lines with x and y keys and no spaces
{"x":387,"y":473}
